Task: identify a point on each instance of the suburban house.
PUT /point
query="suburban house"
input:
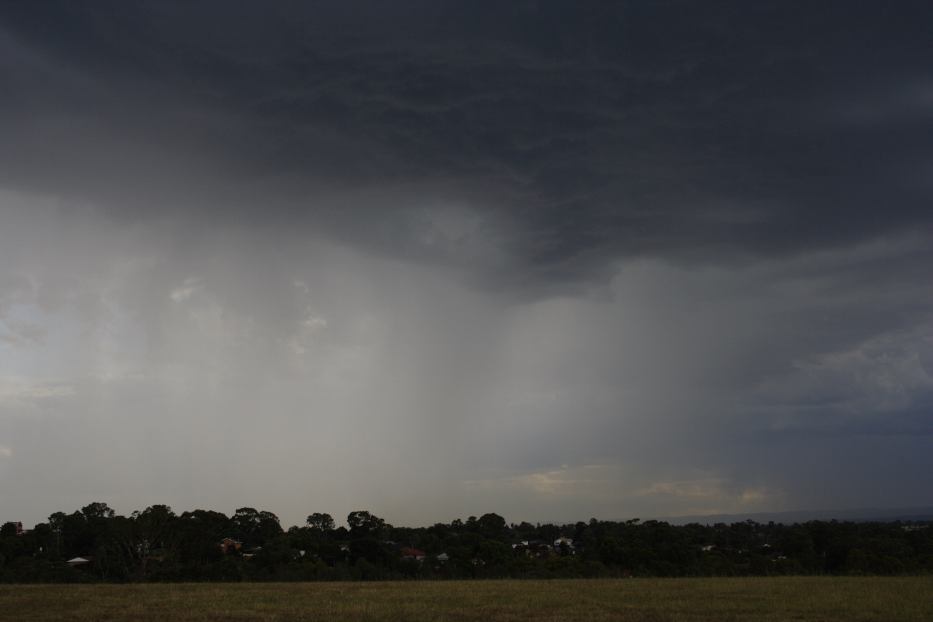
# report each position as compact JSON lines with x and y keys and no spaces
{"x":564,"y":545}
{"x":534,"y":548}
{"x":413,"y":553}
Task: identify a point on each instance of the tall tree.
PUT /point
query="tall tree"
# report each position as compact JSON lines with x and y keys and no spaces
{"x":364,"y":524}
{"x":321,"y":522}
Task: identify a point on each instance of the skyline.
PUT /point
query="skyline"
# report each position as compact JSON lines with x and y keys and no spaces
{"x":432,"y":260}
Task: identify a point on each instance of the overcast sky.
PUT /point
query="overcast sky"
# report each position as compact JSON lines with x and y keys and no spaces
{"x":552,"y":260}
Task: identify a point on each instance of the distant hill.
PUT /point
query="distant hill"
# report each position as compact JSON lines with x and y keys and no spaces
{"x":924,"y":513}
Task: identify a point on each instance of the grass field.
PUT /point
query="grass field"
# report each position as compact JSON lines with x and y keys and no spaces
{"x":772,"y":599}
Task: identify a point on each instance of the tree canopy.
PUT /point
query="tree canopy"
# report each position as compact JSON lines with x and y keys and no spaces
{"x":157,"y":544}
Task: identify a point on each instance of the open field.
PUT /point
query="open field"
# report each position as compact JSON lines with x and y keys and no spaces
{"x":787,"y":598}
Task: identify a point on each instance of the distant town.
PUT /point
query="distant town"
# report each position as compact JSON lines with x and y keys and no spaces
{"x":95,"y":544}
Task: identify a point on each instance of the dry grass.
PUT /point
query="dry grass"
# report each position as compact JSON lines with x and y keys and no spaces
{"x":634,"y":600}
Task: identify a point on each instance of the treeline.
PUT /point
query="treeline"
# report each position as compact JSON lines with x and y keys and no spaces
{"x":95,"y":544}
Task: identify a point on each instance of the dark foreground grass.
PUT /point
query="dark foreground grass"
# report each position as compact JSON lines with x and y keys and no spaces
{"x":787,"y":598}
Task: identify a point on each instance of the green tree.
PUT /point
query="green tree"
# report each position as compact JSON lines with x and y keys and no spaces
{"x":364,"y":524}
{"x":492,"y":526}
{"x":254,"y":527}
{"x":97,"y":511}
{"x":321,"y":522}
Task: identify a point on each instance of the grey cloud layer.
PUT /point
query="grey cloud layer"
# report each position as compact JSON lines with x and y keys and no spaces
{"x":438,"y":258}
{"x":602,"y":131}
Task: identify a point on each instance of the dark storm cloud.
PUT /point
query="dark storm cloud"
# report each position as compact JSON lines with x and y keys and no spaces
{"x":697,"y":131}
